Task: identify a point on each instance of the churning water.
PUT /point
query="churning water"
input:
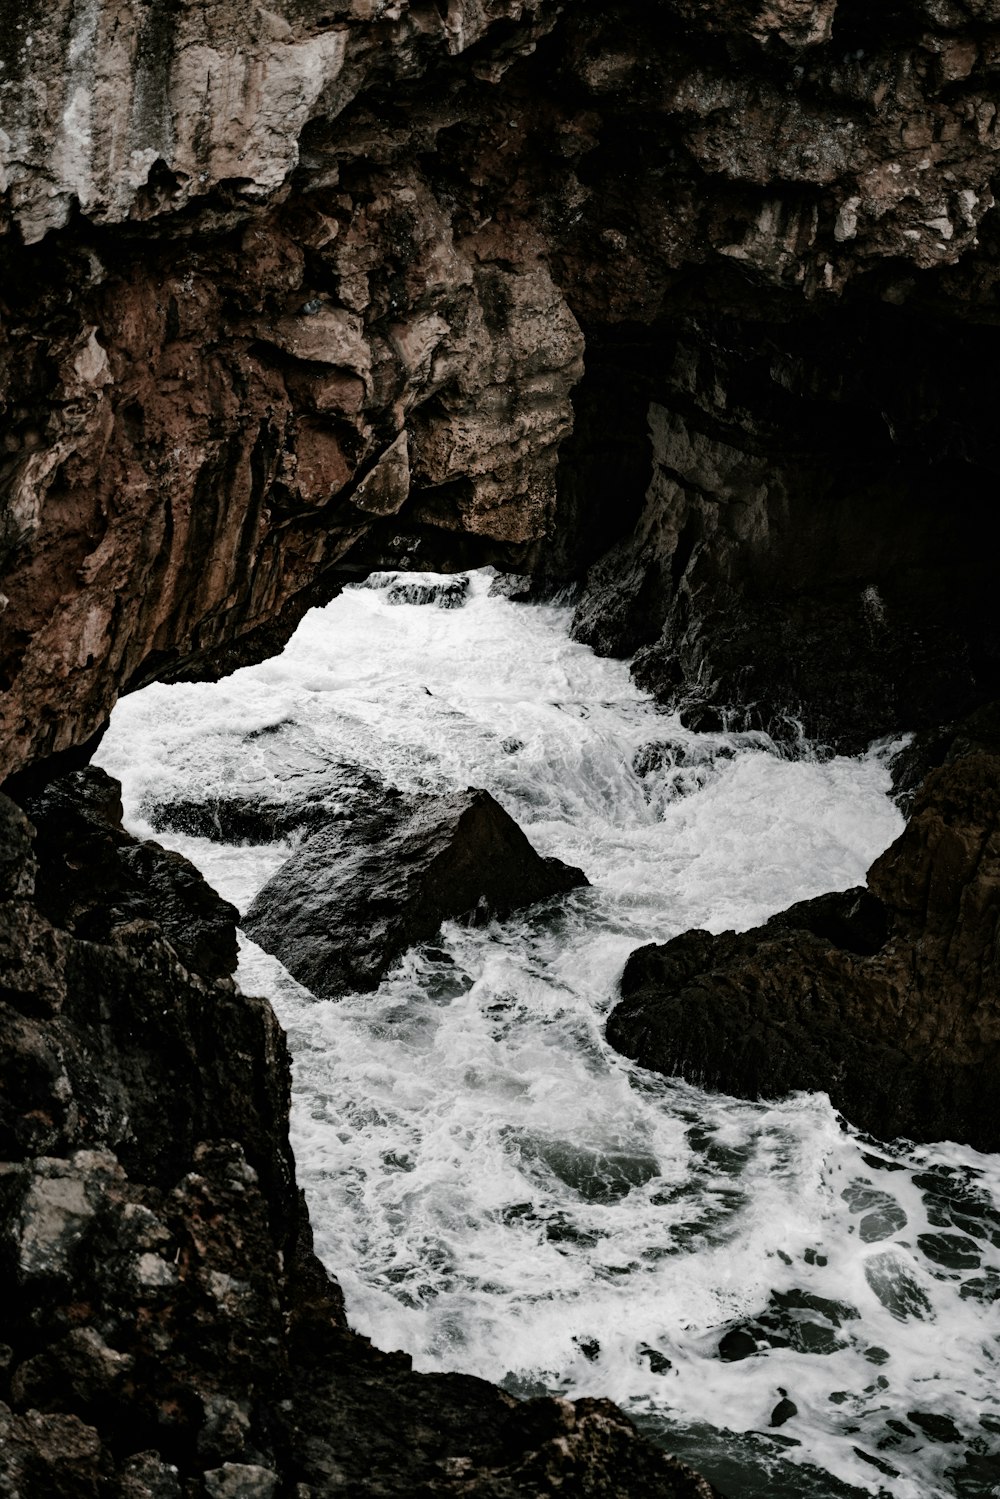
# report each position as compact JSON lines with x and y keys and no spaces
{"x":796,"y":1309}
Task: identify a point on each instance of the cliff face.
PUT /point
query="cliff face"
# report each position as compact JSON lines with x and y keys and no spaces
{"x":292,"y":292}
{"x":168,"y":1331}
{"x":690,"y":302}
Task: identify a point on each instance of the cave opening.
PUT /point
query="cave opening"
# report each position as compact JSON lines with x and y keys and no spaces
{"x":498,"y":1191}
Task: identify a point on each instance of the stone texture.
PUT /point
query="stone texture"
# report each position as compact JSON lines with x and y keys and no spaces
{"x":888,"y":999}
{"x":302,"y":297}
{"x":358,"y":892}
{"x":289,"y":294}
{"x":791,"y":565}
{"x":167,"y":1329}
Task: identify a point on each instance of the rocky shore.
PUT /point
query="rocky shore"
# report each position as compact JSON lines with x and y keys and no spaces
{"x":168,"y":1331}
{"x":690,"y":305}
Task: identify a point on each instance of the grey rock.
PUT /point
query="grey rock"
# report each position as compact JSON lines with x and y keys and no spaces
{"x":241,"y":1481}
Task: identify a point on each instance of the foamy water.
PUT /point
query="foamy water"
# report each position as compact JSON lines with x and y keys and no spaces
{"x":497,"y":1190}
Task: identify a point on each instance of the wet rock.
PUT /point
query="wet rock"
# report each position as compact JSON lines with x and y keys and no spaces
{"x":939,"y":1427}
{"x":169,"y":1330}
{"x":278,"y":781}
{"x":78,"y":829}
{"x":355,"y":896}
{"x":657,"y":1362}
{"x":783,"y":1411}
{"x":402,"y":588}
{"x":884,"y":998}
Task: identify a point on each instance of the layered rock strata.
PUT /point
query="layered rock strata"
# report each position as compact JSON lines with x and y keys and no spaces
{"x":167,"y":1330}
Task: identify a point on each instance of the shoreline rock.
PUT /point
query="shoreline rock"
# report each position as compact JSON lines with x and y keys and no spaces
{"x":169,"y":1332}
{"x":886,"y":998}
{"x":356,"y":894}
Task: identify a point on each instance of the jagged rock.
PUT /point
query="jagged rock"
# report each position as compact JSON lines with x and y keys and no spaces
{"x":888,"y":999}
{"x":277,"y":781}
{"x":304,"y":296}
{"x":78,"y":828}
{"x":356,"y":895}
{"x":400,"y":588}
{"x":168,"y":1329}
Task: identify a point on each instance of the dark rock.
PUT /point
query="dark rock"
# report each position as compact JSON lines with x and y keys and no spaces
{"x":942,"y":746}
{"x":446,"y":593}
{"x":281,"y":782}
{"x":938,"y":1427}
{"x":783,"y":1411}
{"x":94,"y":877}
{"x":168,"y":1330}
{"x":886,"y":999}
{"x":356,"y":895}
{"x":790,"y":568}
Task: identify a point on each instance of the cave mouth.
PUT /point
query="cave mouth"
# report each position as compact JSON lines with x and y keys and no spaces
{"x":497,"y":1190}
{"x":750,"y":470}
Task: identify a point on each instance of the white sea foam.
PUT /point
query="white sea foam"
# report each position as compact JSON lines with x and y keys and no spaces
{"x":501,"y":1193}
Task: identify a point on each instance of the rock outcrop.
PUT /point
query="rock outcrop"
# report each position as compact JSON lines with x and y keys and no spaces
{"x":691,"y":302}
{"x":886,"y":998}
{"x":358,"y":892}
{"x":294,"y":293}
{"x":167,"y":1331}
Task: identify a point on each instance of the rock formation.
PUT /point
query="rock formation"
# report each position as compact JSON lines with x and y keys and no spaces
{"x":167,"y":1330}
{"x":360,"y":891}
{"x":304,"y":290}
{"x":690,"y":302}
{"x":886,"y":998}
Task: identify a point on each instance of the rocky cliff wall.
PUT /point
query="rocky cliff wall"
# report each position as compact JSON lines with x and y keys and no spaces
{"x":689,"y":302}
{"x":292,"y":292}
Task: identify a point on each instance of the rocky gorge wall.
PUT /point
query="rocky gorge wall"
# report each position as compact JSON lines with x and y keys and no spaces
{"x":689,"y":304}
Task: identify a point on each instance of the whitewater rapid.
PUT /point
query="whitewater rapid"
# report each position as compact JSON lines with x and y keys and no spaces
{"x":498,"y":1191}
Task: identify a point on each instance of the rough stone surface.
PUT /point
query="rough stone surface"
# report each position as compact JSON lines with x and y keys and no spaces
{"x":792,"y":565}
{"x":294,"y":293}
{"x":357,"y":893}
{"x":887,"y":998}
{"x":168,"y":1331}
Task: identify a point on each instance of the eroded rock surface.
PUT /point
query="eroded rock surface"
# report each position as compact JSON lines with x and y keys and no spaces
{"x":294,"y":293}
{"x":357,"y":893}
{"x":167,"y":1331}
{"x":291,"y":293}
{"x":886,"y":998}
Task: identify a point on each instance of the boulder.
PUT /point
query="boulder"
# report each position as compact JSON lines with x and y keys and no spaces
{"x":886,"y":998}
{"x":278,"y":781}
{"x":357,"y":894}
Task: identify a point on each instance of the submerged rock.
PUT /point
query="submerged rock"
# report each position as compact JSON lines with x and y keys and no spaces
{"x":888,"y":999}
{"x":422,"y":588}
{"x":281,"y":780}
{"x":356,"y":895}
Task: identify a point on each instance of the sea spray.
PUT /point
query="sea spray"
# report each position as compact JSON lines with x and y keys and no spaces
{"x":501,"y":1193}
